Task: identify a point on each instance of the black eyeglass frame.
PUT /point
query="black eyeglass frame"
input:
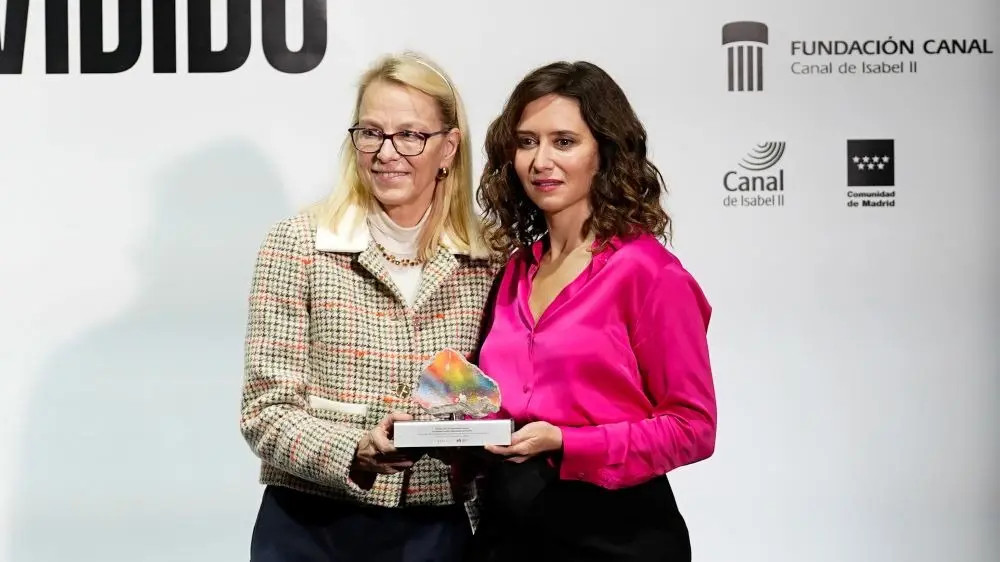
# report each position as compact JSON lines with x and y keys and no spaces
{"x":392,"y":138}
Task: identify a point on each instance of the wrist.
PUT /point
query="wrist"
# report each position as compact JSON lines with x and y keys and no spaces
{"x":557,"y":439}
{"x":361,"y":454}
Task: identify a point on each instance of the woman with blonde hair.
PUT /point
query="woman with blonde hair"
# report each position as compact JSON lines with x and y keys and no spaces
{"x":349,"y":300}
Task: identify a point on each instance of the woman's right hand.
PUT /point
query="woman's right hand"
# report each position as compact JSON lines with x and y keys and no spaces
{"x":376,"y":453}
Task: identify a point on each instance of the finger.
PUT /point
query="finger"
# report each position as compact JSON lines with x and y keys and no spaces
{"x":522,"y":448}
{"x":391,"y":458}
{"x":498,"y":449}
{"x":382,"y":443}
{"x":388,"y":466}
{"x":387,"y":423}
{"x":393,"y":417}
{"x":365,"y":445}
{"x":396,"y":416}
{"x":518,"y":458}
{"x":521,"y":435}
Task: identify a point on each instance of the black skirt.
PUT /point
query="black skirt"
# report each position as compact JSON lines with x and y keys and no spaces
{"x":529,"y":514}
{"x":296,"y":527}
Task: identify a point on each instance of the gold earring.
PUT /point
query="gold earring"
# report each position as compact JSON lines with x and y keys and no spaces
{"x":442,"y":173}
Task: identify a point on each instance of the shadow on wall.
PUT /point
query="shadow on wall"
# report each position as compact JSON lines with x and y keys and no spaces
{"x":133,"y":451}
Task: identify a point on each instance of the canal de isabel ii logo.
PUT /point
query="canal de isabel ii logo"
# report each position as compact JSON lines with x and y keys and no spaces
{"x":758,"y":181}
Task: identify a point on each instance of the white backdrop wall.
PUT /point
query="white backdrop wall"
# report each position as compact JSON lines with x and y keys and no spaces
{"x":855,"y":348}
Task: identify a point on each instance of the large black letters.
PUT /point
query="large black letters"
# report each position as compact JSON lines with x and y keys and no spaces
{"x":201,"y":57}
{"x":12,"y":38}
{"x":275,"y":40}
{"x":56,"y":37}
{"x":165,"y":36}
{"x":93,"y":58}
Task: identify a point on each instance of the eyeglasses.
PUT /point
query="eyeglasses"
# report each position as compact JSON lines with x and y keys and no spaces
{"x":406,"y":143}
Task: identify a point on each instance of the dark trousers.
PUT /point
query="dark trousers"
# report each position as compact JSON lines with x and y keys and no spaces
{"x":529,"y":515}
{"x":297,"y":527}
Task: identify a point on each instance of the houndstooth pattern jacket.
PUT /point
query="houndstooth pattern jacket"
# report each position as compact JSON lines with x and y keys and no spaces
{"x":331,"y":349}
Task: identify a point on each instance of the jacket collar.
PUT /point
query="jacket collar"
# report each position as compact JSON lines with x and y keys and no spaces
{"x":352,"y":236}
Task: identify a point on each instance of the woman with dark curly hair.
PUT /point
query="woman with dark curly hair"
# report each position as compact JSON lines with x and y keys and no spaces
{"x":598,"y":337}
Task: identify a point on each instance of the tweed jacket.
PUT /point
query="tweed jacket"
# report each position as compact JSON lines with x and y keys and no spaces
{"x":331,"y":348}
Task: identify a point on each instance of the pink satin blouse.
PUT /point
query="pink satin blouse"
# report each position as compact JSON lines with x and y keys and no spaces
{"x":619,"y":362}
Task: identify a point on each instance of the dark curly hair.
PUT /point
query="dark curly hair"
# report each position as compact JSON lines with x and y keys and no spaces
{"x":625,"y":194}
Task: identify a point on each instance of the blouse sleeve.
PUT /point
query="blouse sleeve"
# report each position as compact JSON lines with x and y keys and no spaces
{"x":671,"y":349}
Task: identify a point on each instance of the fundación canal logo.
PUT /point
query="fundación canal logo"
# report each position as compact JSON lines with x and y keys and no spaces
{"x":746,"y":42}
{"x":757,"y":180}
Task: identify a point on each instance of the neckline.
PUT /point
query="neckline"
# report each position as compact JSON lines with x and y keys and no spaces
{"x":396,"y":239}
{"x":597,"y":261}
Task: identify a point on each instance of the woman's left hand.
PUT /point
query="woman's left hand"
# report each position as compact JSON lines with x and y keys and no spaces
{"x":532,"y":439}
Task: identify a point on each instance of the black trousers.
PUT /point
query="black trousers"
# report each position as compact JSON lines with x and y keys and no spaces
{"x":296,"y":527}
{"x":529,"y":515}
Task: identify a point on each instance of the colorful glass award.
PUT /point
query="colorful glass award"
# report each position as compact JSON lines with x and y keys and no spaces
{"x":452,"y":386}
{"x":452,"y":389}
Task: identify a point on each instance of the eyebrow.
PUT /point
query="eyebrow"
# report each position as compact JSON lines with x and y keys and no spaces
{"x":407,"y":126}
{"x":561,"y":132}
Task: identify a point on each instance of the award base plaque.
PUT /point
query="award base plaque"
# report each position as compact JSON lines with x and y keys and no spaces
{"x":450,"y":387}
{"x":451,"y":433}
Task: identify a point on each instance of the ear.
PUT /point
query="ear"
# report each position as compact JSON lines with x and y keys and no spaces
{"x":449,"y":148}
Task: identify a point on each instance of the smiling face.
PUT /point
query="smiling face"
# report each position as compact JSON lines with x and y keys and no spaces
{"x":557,"y":155}
{"x":403,"y":185}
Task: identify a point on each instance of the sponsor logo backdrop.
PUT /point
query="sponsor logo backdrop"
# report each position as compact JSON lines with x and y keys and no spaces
{"x":832,"y":175}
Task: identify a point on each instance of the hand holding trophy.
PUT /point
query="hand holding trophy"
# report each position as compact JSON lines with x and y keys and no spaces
{"x":452,"y":389}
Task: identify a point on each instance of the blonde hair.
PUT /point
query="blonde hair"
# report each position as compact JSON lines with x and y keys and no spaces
{"x":451,"y":212}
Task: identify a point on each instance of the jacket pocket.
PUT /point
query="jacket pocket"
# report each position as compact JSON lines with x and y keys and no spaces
{"x":350,"y":413}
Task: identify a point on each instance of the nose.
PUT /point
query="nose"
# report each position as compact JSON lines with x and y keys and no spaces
{"x":543,"y":157}
{"x":387,"y":151}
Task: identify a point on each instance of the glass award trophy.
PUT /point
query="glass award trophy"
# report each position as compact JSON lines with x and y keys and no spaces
{"x":457,"y":395}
